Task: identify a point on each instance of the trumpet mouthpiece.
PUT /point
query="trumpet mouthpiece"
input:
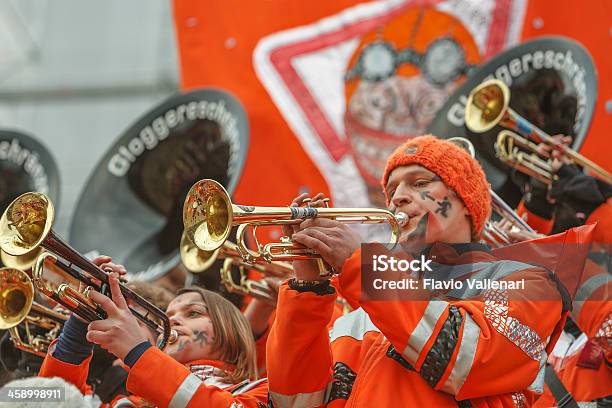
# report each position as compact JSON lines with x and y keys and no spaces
{"x":402,"y":218}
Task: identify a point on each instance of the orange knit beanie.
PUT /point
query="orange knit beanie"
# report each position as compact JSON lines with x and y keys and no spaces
{"x":457,"y":169}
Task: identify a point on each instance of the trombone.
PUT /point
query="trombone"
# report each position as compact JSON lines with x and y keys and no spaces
{"x":25,"y":227}
{"x":513,"y":150}
{"x":488,"y":105}
{"x":494,"y":235}
{"x":209,"y":215}
{"x":19,"y":310}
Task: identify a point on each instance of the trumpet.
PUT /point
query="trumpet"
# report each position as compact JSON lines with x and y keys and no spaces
{"x":257,"y":288}
{"x":488,"y":105}
{"x":18,"y":310}
{"x":197,"y":260}
{"x":193,"y":258}
{"x":492,"y":233}
{"x":25,"y":227}
{"x":209,"y":215}
{"x":513,"y":150}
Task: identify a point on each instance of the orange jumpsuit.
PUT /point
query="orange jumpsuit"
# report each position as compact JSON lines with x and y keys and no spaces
{"x":592,"y":312}
{"x":159,"y":379}
{"x":488,"y":350}
{"x":340,"y":309}
{"x":588,"y":377}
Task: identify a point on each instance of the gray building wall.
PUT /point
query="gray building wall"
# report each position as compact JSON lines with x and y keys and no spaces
{"x":76,"y":73}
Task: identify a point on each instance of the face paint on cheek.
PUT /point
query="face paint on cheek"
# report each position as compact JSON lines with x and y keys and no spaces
{"x":420,"y":232}
{"x":443,"y":207}
{"x":182,"y":345}
{"x":201,"y":337}
{"x":426,"y":195}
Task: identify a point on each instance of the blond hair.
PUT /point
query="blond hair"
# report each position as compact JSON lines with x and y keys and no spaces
{"x":233,"y":336}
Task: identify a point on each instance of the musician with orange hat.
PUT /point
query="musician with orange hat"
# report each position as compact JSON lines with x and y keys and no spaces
{"x":466,"y":348}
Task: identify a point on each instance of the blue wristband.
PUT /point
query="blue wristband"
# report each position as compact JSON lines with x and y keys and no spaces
{"x":134,"y":354}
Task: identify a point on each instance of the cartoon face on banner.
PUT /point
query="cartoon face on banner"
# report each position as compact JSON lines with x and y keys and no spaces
{"x":399,"y":76}
{"x":356,"y":85}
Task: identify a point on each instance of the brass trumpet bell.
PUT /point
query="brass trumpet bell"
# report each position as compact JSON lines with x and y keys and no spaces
{"x":26,"y":223}
{"x":208,"y":215}
{"x":16,"y":297}
{"x":486,"y":106}
{"x":20,"y":314}
{"x":195,"y":259}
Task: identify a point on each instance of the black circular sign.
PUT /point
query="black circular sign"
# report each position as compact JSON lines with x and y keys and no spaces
{"x":131,"y":207}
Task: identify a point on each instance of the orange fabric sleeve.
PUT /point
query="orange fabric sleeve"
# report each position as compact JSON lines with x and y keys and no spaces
{"x":593,"y":302}
{"x":347,"y":285}
{"x":260,"y":348}
{"x":160,"y":379}
{"x":541,"y":225}
{"x":74,"y":374}
{"x":499,"y":337}
{"x":603,"y":217}
{"x":299,"y":358}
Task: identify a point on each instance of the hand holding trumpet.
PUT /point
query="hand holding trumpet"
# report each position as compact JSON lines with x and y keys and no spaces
{"x":120,"y":332}
{"x":333,"y":240}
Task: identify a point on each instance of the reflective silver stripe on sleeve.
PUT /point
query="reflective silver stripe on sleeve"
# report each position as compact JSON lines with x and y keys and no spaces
{"x":465,"y":357}
{"x":537,"y":385}
{"x":355,"y":324}
{"x":496,"y":312}
{"x":301,"y":400}
{"x":423,"y":330}
{"x":586,"y":290}
{"x":185,"y":392}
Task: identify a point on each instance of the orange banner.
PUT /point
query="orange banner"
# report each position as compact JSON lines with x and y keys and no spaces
{"x":298,"y":68}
